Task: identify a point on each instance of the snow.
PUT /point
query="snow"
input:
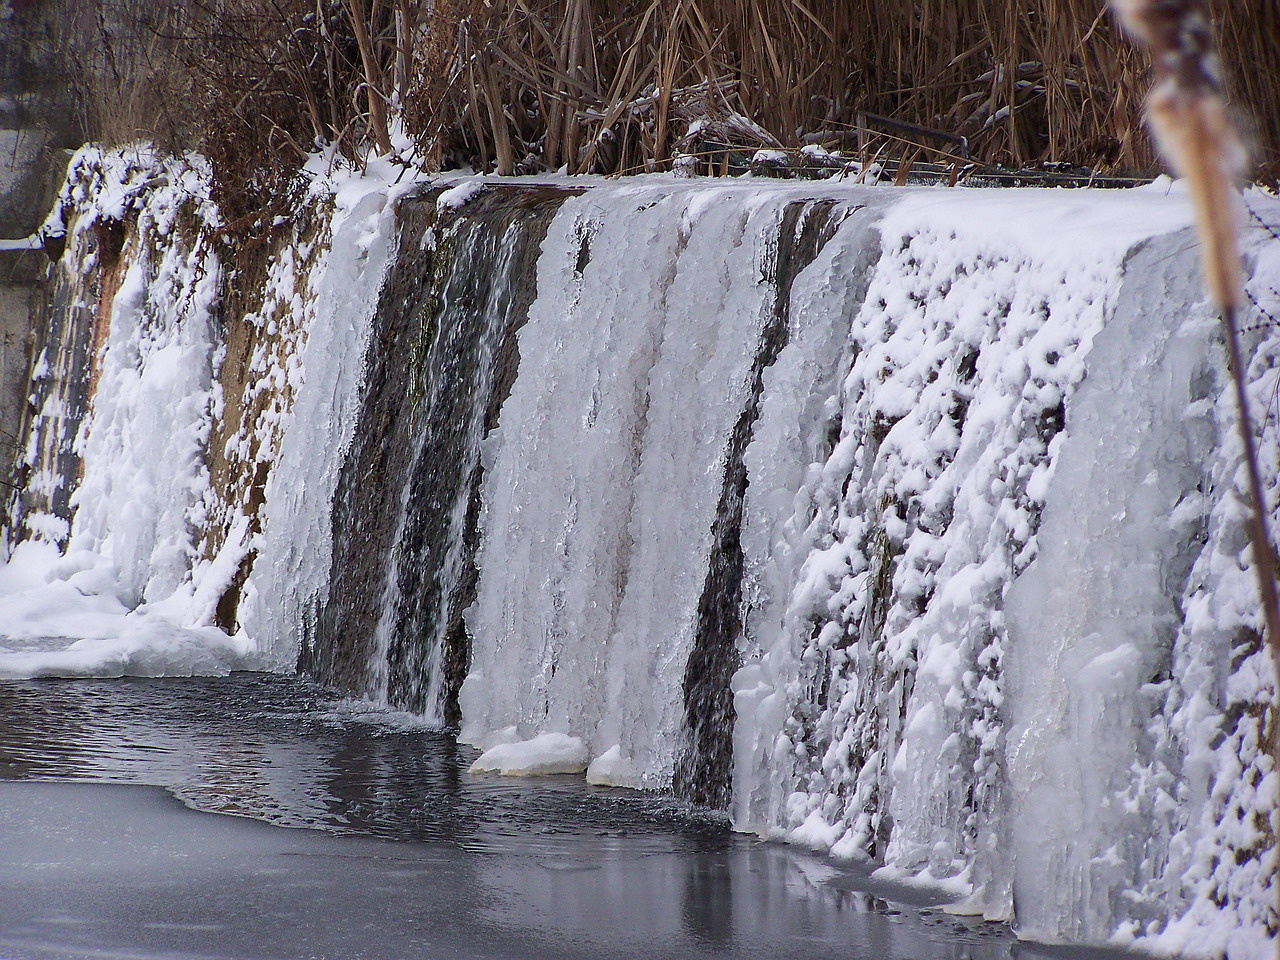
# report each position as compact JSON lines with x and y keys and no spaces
{"x":545,"y":754}
{"x":458,"y":196}
{"x":611,"y":769}
{"x":918,"y":538}
{"x":61,"y":619}
{"x":32,"y":242}
{"x":1091,"y":620}
{"x":138,"y":587}
{"x":1212,"y":785}
{"x":999,"y":623}
{"x":114,"y":599}
{"x":878,"y":570}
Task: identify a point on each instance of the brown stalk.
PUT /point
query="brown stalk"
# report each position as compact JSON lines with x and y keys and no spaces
{"x":1053,"y":70}
{"x":405,"y":23}
{"x":372,"y":76}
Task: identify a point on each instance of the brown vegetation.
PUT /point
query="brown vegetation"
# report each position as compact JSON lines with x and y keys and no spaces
{"x":614,"y":86}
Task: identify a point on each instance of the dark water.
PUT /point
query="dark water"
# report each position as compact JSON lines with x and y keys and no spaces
{"x":405,"y":520}
{"x":408,"y":855}
{"x":280,"y":749}
{"x":704,"y":768}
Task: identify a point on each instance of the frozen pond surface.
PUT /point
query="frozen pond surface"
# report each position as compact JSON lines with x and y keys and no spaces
{"x":407,"y":855}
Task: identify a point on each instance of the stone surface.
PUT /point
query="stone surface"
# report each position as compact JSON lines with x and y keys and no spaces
{"x":36,"y":125}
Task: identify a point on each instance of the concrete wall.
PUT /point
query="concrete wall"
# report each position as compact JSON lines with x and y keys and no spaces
{"x":37,"y":124}
{"x":19,"y":303}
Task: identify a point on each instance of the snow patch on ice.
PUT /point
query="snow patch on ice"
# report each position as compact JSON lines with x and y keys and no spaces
{"x":548,"y":753}
{"x":612,"y":769}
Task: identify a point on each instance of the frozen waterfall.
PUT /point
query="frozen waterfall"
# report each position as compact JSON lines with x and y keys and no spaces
{"x":902,"y":524}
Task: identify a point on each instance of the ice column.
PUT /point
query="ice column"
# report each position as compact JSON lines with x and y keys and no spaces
{"x":603,"y":477}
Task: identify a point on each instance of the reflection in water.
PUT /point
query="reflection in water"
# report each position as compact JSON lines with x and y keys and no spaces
{"x":278,"y":749}
{"x":584,"y":868}
{"x":708,"y":898}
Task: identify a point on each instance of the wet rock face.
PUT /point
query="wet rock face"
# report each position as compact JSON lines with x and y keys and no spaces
{"x":266,"y":311}
{"x":441,"y":361}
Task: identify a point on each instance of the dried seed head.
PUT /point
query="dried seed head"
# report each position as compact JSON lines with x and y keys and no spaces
{"x":1188,"y":117}
{"x":1180,"y":37}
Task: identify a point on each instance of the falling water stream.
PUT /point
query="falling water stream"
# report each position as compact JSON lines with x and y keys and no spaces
{"x":771,"y":500}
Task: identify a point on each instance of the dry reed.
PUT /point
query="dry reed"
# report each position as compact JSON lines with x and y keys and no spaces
{"x":625,"y":85}
{"x":611,"y":86}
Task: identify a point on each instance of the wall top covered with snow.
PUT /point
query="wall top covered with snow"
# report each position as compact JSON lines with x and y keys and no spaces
{"x":907,"y":516}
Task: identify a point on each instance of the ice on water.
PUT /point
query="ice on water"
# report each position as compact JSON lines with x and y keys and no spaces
{"x":999,"y":632}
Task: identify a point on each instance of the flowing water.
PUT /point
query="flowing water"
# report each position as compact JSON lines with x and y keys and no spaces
{"x":439,"y":365}
{"x":901,"y":525}
{"x":395,"y":833}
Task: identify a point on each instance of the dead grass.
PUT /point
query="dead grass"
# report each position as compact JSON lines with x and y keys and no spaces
{"x":517,"y":85}
{"x":613,"y":86}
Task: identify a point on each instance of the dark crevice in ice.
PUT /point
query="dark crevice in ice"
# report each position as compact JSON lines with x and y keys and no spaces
{"x":703,"y":771}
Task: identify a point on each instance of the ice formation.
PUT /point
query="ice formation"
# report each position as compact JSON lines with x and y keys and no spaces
{"x":289,"y":580}
{"x":644,"y":391}
{"x":544,"y":754}
{"x":906,"y":523}
{"x":102,"y":584}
